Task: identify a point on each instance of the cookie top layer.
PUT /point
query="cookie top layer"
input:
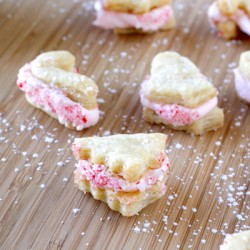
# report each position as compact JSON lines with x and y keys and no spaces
{"x":176,"y":80}
{"x":130,"y":156}
{"x":134,"y":6}
{"x":58,"y":69}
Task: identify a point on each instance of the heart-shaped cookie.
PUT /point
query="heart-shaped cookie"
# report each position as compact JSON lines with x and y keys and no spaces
{"x":178,"y":95}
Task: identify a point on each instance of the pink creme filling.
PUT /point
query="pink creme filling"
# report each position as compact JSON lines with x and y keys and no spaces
{"x":100,"y":176}
{"x":53,"y":100}
{"x":150,"y":21}
{"x":175,"y":114}
{"x":240,"y":18}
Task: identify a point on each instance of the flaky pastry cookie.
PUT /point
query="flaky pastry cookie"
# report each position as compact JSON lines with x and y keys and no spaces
{"x":178,"y":95}
{"x":237,"y":241}
{"x":51,"y":83}
{"x":127,"y":172}
{"x":129,"y":16}
{"x":230,"y":16}
{"x":242,"y":77}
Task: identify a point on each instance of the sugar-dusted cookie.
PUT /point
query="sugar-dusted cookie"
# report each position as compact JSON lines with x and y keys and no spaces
{"x":178,"y":95}
{"x":128,"y":172}
{"x":129,"y":16}
{"x":237,"y":241}
{"x":51,"y":83}
{"x":242,"y":77}
{"x":230,"y":16}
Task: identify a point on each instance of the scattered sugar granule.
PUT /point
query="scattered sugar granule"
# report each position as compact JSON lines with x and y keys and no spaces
{"x":16,"y":169}
{"x":224,"y":177}
{"x":237,"y":124}
{"x":35,"y":155}
{"x":34,"y":137}
{"x":48,"y":139}
{"x":203,"y":241}
{"x":42,"y":186}
{"x":123,"y":54}
{"x":60,"y":164}
{"x":171,"y":197}
{"x":76,"y":210}
{"x":217,"y":143}
{"x":3,"y":159}
{"x":178,"y":146}
{"x":65,"y":179}
{"x":214,"y":231}
{"x":136,"y":229}
{"x":106,"y":133}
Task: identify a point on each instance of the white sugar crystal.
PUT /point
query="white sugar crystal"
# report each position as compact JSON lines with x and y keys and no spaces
{"x":237,"y":124}
{"x":136,"y":229}
{"x":60,"y":164}
{"x":76,"y":210}
{"x":224,"y":177}
{"x":35,"y":155}
{"x":171,"y":197}
{"x":48,"y":139}
{"x":42,"y":186}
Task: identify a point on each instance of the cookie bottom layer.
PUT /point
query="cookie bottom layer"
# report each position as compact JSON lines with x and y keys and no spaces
{"x":127,"y":203}
{"x":168,"y":25}
{"x":212,"y":121}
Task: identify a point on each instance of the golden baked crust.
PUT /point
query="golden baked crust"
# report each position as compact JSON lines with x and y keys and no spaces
{"x":169,"y":25}
{"x":134,"y":7}
{"x":175,"y":79}
{"x":212,"y":121}
{"x":130,"y":156}
{"x":57,"y":67}
{"x":228,"y":29}
{"x":127,"y":203}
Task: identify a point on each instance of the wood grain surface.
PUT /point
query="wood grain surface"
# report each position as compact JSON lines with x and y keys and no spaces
{"x":208,"y":188}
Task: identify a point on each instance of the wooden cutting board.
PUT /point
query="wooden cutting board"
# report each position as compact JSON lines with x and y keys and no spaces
{"x":208,"y":188}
